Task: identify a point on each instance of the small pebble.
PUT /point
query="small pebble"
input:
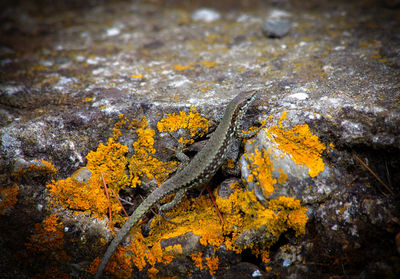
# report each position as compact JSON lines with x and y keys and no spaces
{"x":277,"y":25}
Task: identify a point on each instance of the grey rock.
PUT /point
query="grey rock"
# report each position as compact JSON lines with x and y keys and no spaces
{"x":276,"y":27}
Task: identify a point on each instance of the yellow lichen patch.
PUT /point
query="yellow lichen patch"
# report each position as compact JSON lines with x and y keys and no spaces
{"x":230,"y":164}
{"x":291,"y":211}
{"x":138,"y":76}
{"x":195,"y":124}
{"x":261,"y":168}
{"x":304,"y":147}
{"x":175,"y":249}
{"x":81,"y":196}
{"x":182,"y":68}
{"x":197,"y":259}
{"x":41,"y":167}
{"x":282,"y":176}
{"x":208,"y":64}
{"x":242,"y":213}
{"x":8,"y":199}
{"x":117,"y":127}
{"x":263,"y":255}
{"x":120,"y":266}
{"x":142,"y":163}
{"x":47,"y":242}
{"x":152,"y":272}
{"x":212,"y":263}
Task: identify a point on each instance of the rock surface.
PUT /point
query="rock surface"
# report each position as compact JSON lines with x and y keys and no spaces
{"x":68,"y":69}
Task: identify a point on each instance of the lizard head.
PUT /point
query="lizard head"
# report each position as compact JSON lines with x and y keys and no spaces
{"x":241,"y":103}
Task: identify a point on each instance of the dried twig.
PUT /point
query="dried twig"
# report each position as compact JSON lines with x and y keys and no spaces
{"x":123,"y":208}
{"x":215,"y":204}
{"x":374,"y":174}
{"x":108,"y":197}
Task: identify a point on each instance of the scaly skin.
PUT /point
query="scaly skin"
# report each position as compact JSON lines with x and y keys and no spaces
{"x":197,"y":172}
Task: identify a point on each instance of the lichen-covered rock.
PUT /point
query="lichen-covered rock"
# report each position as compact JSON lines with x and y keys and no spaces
{"x":94,"y":96}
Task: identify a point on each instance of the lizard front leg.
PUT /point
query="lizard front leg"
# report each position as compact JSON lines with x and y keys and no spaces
{"x":171,"y":205}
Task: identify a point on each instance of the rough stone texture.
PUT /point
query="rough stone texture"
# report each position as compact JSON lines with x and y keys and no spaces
{"x":338,"y":71}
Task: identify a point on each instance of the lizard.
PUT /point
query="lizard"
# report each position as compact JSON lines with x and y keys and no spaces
{"x":197,"y":172}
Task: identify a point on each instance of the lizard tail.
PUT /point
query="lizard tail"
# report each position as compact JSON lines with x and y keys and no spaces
{"x":133,"y":219}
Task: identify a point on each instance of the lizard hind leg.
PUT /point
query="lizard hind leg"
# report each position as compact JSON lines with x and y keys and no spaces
{"x":171,"y":205}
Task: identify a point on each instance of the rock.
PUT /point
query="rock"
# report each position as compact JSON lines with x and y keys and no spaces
{"x":69,"y":86}
{"x":277,"y":24}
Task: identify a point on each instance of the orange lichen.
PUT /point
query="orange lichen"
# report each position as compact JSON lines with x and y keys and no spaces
{"x":193,"y":122}
{"x":263,"y":255}
{"x":212,"y":263}
{"x":197,"y":259}
{"x":48,"y":240}
{"x":89,"y":196}
{"x":8,"y":198}
{"x":179,"y":67}
{"x":282,"y":176}
{"x":138,"y":76}
{"x":208,"y":64}
{"x":304,"y":147}
{"x":152,"y":272}
{"x":142,"y":163}
{"x":42,"y":167}
{"x":242,"y":212}
{"x":261,"y":168}
{"x":117,"y":127}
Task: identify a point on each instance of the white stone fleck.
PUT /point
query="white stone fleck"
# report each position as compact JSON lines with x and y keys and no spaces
{"x":11,"y":89}
{"x":337,"y":48}
{"x":334,"y":227}
{"x":63,"y":81}
{"x":275,"y":13}
{"x":206,"y":15}
{"x":93,"y":61}
{"x":97,"y":71}
{"x":39,"y":207}
{"x":80,"y":58}
{"x":112,"y":31}
{"x":46,"y":63}
{"x":299,"y":96}
{"x":286,"y":263}
{"x":179,"y":81}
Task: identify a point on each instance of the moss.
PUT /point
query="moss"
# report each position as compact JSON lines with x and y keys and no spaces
{"x":8,"y":199}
